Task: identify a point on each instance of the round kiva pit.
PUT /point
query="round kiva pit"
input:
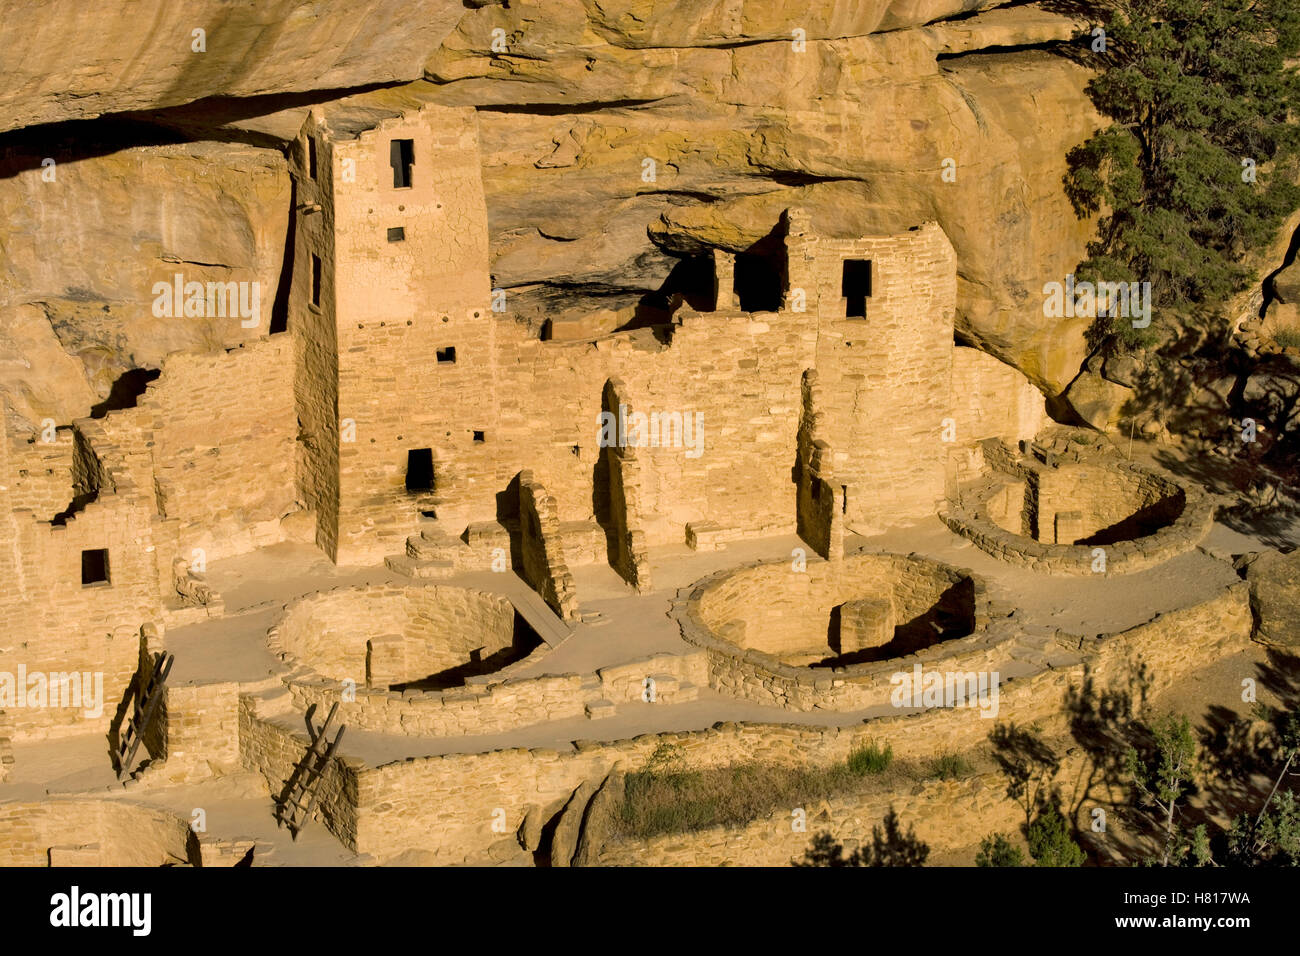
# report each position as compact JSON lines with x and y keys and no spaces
{"x":396,"y":639}
{"x":1082,"y":517}
{"x":864,"y":608}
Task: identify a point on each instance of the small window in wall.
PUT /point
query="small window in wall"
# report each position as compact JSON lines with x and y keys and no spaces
{"x":311,"y":157}
{"x":396,"y":234}
{"x":94,"y":567}
{"x":419,"y":470}
{"x":401,"y":154}
{"x":447,"y":355}
{"x":856,"y":287}
{"x":480,"y":436}
{"x":315,"y":280}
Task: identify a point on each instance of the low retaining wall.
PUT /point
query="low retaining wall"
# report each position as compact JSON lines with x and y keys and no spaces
{"x":468,"y":807}
{"x":98,"y":832}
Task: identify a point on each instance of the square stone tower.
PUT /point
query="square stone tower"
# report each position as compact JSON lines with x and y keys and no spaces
{"x":884,"y":309}
{"x":389,"y":308}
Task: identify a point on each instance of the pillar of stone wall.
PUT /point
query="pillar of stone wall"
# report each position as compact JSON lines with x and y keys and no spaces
{"x":724,"y":280}
{"x":544,"y":566}
{"x":800,"y":252}
{"x":819,"y":502}
{"x":630,"y":558}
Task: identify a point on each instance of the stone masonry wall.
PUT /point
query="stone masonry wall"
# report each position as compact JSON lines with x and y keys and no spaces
{"x":326,"y":633}
{"x":71,"y":832}
{"x":544,"y":566}
{"x":886,"y":378}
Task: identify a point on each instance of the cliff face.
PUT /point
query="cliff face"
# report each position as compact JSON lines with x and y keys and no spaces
{"x":874,"y":116}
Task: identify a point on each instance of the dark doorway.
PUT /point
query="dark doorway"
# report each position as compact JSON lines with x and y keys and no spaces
{"x":855,"y":287}
{"x":401,"y":155}
{"x":758,"y":283}
{"x":419,"y":470}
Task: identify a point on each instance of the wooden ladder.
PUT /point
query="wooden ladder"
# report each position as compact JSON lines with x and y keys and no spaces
{"x":293,"y":809}
{"x":144,"y":711}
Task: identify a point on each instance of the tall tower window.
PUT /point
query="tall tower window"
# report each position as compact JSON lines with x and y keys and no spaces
{"x":315,"y":279}
{"x":401,"y":155}
{"x":855,"y":287}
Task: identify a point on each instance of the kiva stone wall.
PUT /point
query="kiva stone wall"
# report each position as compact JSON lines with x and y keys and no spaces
{"x":327,"y":633}
{"x":985,"y":515}
{"x":781,"y":611}
{"x":445,"y":808}
{"x":77,"y":832}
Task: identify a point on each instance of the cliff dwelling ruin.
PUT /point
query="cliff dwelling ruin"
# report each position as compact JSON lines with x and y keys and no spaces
{"x":527,"y":518}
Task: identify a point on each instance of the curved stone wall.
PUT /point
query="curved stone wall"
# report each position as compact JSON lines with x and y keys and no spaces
{"x":388,"y":637}
{"x":332,"y":626}
{"x":1115,"y":518}
{"x":758,"y":624}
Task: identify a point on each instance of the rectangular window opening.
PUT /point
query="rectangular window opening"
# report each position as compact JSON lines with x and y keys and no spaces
{"x":447,"y":355}
{"x":94,"y":567}
{"x":419,"y":470}
{"x":315,"y":279}
{"x":311,"y":157}
{"x":401,"y":155}
{"x":396,"y":234}
{"x":855,"y":287}
{"x":480,"y":436}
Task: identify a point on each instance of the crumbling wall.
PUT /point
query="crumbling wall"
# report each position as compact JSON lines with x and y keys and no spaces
{"x":224,"y":446}
{"x":53,"y":624}
{"x":820,"y":499}
{"x":542,"y":557}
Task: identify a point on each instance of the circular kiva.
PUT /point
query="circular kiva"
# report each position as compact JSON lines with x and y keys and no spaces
{"x":422,"y":660}
{"x":1076,"y":518}
{"x":834,"y":635}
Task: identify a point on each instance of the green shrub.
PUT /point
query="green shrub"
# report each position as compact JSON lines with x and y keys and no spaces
{"x":948,"y":767}
{"x":870,"y":758}
{"x":1050,"y":843}
{"x":996,"y":849}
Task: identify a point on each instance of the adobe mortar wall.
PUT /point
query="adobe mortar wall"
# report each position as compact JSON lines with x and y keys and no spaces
{"x":112,"y":832}
{"x":270,"y":749}
{"x":538,"y":403}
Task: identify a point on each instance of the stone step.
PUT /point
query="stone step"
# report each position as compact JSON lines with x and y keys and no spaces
{"x":685,"y":691}
{"x":411,"y":567}
{"x":598,"y":709}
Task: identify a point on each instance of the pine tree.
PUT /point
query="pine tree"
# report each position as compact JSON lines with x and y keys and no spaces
{"x":1198,"y":168}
